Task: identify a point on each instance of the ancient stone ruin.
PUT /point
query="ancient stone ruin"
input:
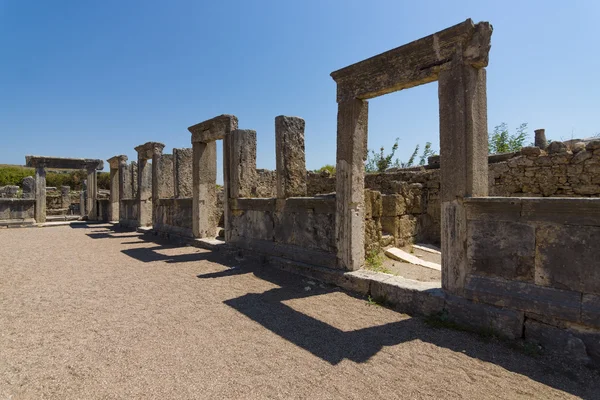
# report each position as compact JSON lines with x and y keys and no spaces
{"x":522,"y":263}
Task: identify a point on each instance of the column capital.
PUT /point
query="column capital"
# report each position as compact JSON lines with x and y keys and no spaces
{"x":147,"y":150}
{"x":115,"y":161}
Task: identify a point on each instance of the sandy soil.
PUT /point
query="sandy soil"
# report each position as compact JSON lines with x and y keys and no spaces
{"x":90,"y":313}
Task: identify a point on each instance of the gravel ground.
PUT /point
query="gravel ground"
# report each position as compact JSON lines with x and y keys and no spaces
{"x":91,"y":313}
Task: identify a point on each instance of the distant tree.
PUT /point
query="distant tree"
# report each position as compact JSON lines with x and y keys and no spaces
{"x":328,"y":167}
{"x":501,"y":141}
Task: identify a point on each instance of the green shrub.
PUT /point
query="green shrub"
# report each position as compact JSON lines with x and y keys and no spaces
{"x":14,"y":174}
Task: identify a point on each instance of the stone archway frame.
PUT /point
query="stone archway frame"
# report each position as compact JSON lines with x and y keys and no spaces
{"x":204,"y":174}
{"x":456,"y":57}
{"x":40,"y":163}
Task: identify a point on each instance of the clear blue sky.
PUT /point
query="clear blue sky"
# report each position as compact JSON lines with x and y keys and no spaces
{"x":95,"y":79}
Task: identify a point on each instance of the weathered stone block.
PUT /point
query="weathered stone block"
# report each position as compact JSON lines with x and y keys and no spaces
{"x":182,"y":164}
{"x":567,"y":257}
{"x":590,"y":310}
{"x":556,"y":340}
{"x":508,"y":323}
{"x":412,"y":297}
{"x":501,"y":248}
{"x":557,"y":147}
{"x":28,"y":187}
{"x":524,"y":296}
{"x":291,"y":164}
{"x":392,"y":205}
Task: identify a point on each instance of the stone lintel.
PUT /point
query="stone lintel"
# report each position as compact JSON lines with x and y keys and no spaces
{"x":115,"y":161}
{"x":415,"y":63}
{"x":213,"y":129}
{"x":64,"y":163}
{"x":147,"y":150}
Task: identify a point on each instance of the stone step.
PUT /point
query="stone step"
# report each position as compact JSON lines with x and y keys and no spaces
{"x":401,"y":255}
{"x":428,"y":248}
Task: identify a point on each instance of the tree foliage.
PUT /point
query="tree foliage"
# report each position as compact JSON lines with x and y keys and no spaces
{"x":501,"y":141}
{"x":326,"y":168}
{"x":380,"y":161}
{"x":14,"y":174}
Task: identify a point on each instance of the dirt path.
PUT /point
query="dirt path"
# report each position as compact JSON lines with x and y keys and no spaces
{"x":89,"y":313}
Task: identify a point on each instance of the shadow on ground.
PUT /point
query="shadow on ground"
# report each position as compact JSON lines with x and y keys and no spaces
{"x":334,"y":345}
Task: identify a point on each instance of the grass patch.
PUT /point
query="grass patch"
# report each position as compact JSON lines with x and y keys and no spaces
{"x":374,"y":262}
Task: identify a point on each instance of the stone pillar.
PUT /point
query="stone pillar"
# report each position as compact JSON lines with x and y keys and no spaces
{"x":92,"y":193}
{"x":242,"y":164}
{"x":291,"y":165}
{"x":65,"y":197}
{"x":147,"y":180}
{"x":352,"y":126}
{"x":134,"y":180}
{"x":28,"y":188}
{"x":82,"y":198}
{"x":117,"y":164}
{"x":204,"y":173}
{"x":40,"y":193}
{"x":540,"y":139}
{"x":463,"y":161}
{"x":182,"y":172}
{"x":164,"y":176}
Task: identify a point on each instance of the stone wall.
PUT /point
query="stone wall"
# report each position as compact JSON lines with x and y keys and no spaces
{"x":128,"y":213}
{"x":300,"y":229}
{"x":537,"y":260}
{"x":16,"y":211}
{"x":174,"y":216}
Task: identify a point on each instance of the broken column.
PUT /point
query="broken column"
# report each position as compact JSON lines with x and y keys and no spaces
{"x":40,"y":193}
{"x":148,"y":151}
{"x":204,"y":172}
{"x":291,"y":164}
{"x":65,"y":198}
{"x":28,"y":187}
{"x":182,"y":172}
{"x":540,"y":139}
{"x":92,"y":192}
{"x":162,"y":170}
{"x":242,"y":168}
{"x":116,"y":164}
{"x":82,"y":198}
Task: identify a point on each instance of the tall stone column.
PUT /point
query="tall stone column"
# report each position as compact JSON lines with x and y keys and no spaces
{"x":463,"y":161}
{"x":352,"y":132}
{"x":291,"y":163}
{"x":92,"y":193}
{"x":147,"y":187}
{"x":40,"y":193}
{"x":116,"y":164}
{"x":242,"y":168}
{"x":182,"y":172}
{"x":204,"y":175}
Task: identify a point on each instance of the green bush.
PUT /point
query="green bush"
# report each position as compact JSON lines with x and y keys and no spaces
{"x":14,"y":174}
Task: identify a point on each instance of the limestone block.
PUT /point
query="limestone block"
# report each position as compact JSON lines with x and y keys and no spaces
{"x":502,"y":248}
{"x":291,"y":164}
{"x":165,"y":176}
{"x":531,"y":151}
{"x":28,"y":187}
{"x":593,"y":145}
{"x":577,"y":147}
{"x":590,"y":310}
{"x":563,"y":304}
{"x":557,"y":147}
{"x":567,"y":257}
{"x":506,"y":322}
{"x":243,"y":176}
{"x":408,"y":296}
{"x":556,"y":340}
{"x":182,"y":164}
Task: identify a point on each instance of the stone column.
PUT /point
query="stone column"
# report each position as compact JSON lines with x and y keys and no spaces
{"x":40,"y":193}
{"x":116,"y":164}
{"x":291,"y":164}
{"x":82,"y":198}
{"x":463,"y":161}
{"x":540,"y":139}
{"x":242,"y":167}
{"x":65,"y":197}
{"x":204,"y":173}
{"x":134,"y":180}
{"x":182,"y":172}
{"x":164,"y":176}
{"x":352,"y":126}
{"x":147,"y":180}
{"x":92,"y":193}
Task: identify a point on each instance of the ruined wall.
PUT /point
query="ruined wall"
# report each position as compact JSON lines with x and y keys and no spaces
{"x":537,"y":260}
{"x":128,"y":213}
{"x":174,"y":216}
{"x":300,"y":229}
{"x":16,"y":211}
